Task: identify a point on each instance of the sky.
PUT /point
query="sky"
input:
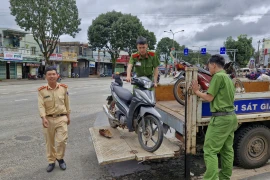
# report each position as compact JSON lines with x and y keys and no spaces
{"x":205,"y":22}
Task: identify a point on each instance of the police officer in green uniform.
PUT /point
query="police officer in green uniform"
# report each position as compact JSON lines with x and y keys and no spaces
{"x":146,"y":64}
{"x":220,"y":133}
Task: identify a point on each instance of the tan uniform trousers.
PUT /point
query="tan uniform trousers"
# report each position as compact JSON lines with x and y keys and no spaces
{"x":57,"y":131}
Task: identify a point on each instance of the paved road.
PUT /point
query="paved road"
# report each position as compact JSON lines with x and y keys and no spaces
{"x":22,"y":148}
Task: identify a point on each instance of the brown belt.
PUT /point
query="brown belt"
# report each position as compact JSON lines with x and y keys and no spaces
{"x":56,"y":115}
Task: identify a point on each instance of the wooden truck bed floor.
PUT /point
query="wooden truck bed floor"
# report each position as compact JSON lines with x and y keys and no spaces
{"x":125,"y":146}
{"x":172,"y":113}
{"x":173,"y":108}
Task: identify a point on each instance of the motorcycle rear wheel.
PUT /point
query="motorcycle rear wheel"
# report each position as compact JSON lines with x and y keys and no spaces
{"x":153,"y":134}
{"x":179,"y":90}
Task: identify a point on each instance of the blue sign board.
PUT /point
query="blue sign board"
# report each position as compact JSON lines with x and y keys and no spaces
{"x":222,"y":50}
{"x":186,"y":51}
{"x":203,"y":50}
{"x":243,"y":106}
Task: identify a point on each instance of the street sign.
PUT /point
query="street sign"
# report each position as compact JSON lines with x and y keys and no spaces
{"x":203,"y":50}
{"x":186,"y":51}
{"x":222,"y":50}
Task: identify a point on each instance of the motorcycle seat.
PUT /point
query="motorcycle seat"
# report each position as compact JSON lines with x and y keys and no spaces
{"x":204,"y":71}
{"x":124,"y":94}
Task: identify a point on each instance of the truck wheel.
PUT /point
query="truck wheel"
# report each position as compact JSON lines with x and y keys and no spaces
{"x":252,"y":146}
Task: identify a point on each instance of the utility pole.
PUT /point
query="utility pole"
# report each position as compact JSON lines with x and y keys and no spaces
{"x":258,"y":60}
{"x":110,"y":50}
{"x":173,"y":33}
{"x":98,"y":68}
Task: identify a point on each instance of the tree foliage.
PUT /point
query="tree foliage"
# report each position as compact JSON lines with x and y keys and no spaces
{"x":164,"y":47}
{"x":244,"y":46}
{"x":114,"y":31}
{"x":46,"y":20}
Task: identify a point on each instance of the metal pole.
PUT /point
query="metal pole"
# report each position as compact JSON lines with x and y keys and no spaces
{"x":98,"y":71}
{"x":234,"y":55}
{"x":173,"y":40}
{"x":258,"y":60}
{"x":198,"y":54}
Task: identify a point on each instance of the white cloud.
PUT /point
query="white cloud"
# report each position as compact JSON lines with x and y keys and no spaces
{"x":205,"y":22}
{"x":253,"y":15}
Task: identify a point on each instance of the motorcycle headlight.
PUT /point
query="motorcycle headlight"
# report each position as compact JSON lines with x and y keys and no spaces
{"x":147,"y":84}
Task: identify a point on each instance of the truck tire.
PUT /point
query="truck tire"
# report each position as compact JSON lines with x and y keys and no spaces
{"x":252,"y":146}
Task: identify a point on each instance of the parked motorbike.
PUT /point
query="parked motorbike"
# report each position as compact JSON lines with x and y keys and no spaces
{"x":34,"y":77}
{"x":73,"y":75}
{"x":136,"y":112}
{"x":59,"y":78}
{"x":103,"y":75}
{"x":204,"y":78}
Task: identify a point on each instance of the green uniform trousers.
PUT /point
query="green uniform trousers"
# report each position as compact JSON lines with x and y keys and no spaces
{"x":219,"y":139}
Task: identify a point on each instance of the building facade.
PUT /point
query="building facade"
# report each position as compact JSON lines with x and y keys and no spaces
{"x":19,"y":54}
{"x":265,"y":52}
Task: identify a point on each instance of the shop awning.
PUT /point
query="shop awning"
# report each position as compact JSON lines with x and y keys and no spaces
{"x":20,"y":61}
{"x":88,"y":58}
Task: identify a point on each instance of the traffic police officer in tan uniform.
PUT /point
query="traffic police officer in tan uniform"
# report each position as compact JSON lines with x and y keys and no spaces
{"x":146,"y":64}
{"x":54,"y":109}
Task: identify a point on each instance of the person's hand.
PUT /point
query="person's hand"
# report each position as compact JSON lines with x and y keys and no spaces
{"x":155,"y":84}
{"x":68,"y":122}
{"x":128,"y":79}
{"x":45,"y":123}
{"x":195,"y":86}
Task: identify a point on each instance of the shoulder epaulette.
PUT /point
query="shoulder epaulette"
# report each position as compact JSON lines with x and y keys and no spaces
{"x":64,"y":85}
{"x":135,"y":55}
{"x":42,"y":87}
{"x":151,"y":53}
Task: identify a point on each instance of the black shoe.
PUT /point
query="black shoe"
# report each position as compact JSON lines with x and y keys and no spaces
{"x":50,"y":167}
{"x":62,"y":164}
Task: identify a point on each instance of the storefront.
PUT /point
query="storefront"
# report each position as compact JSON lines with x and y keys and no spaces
{"x":8,"y":65}
{"x":67,"y":64}
{"x":3,"y":68}
{"x":92,"y":66}
{"x":122,"y":63}
{"x":30,"y":68}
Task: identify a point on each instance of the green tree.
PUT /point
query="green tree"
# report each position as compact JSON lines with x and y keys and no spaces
{"x":164,"y":48}
{"x":47,"y":21}
{"x":115,"y":31}
{"x":244,"y":46}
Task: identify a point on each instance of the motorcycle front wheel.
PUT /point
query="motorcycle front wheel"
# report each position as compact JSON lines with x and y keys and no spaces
{"x":179,"y":90}
{"x":151,"y":136}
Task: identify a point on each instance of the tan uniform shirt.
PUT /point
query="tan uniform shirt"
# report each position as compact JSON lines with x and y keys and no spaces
{"x":53,"y":101}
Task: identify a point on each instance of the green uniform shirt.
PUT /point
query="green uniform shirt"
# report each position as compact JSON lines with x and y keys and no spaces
{"x":147,"y":63}
{"x":222,"y":89}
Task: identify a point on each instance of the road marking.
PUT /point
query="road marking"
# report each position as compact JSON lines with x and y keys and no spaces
{"x":104,"y":89}
{"x":70,"y":93}
{"x":4,"y":93}
{"x":21,"y":100}
{"x":106,"y":95}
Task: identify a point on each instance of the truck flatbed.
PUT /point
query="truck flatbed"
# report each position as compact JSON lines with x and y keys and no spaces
{"x":124,"y":146}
